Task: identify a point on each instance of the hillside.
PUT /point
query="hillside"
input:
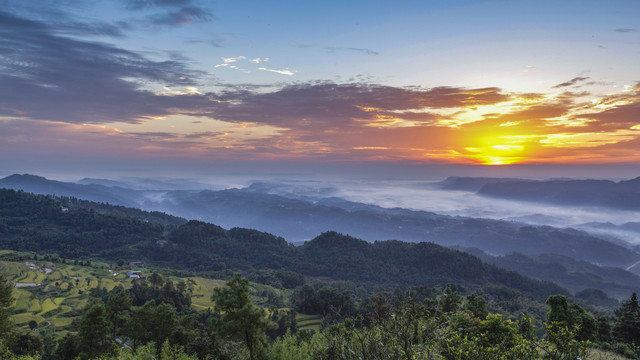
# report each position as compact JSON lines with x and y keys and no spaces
{"x":298,"y":218}
{"x":36,"y":223}
{"x":93,"y":192}
{"x":569,"y":273}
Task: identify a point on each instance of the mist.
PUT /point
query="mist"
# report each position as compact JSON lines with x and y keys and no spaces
{"x":426,"y":196}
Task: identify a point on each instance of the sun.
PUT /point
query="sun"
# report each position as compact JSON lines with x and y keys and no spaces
{"x":497,"y":154}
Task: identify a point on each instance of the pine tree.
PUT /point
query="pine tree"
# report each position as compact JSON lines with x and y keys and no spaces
{"x":240,"y":318}
{"x":93,"y":331}
{"x":626,"y":327}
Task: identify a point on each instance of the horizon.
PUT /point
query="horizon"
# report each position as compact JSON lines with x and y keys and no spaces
{"x":244,"y":174}
{"x":253,"y":89}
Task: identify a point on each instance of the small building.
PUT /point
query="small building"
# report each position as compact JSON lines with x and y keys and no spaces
{"x":137,"y":264}
{"x":135,"y":275}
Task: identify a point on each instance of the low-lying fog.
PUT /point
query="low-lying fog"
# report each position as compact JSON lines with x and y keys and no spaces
{"x":420,"y":195}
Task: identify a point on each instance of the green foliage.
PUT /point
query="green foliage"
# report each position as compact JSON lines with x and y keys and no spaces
{"x":151,"y":323}
{"x":78,"y":233}
{"x":450,"y":301}
{"x":6,"y":302}
{"x":6,"y":354}
{"x":324,"y":301}
{"x":626,"y":327}
{"x":148,"y":352}
{"x":94,"y":331}
{"x":240,"y":318}
{"x":477,"y":305}
{"x":565,"y":343}
{"x":572,"y":316}
{"x":118,"y":308}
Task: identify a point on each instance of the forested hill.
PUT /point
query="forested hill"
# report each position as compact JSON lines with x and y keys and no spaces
{"x":38,"y":223}
{"x":623,"y":195}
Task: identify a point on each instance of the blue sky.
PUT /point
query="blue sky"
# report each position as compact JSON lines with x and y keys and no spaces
{"x":159,"y":82}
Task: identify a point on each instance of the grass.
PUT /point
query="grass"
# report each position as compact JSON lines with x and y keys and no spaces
{"x":47,"y":306}
{"x":202,"y":292}
{"x":312,"y":322}
{"x":24,"y":318}
{"x":596,"y":354}
{"x":58,"y":301}
{"x":35,"y":306}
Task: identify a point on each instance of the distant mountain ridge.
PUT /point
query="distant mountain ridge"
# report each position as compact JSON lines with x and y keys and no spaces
{"x":624,"y":195}
{"x":135,"y":183}
{"x":93,"y":192}
{"x":298,"y":219}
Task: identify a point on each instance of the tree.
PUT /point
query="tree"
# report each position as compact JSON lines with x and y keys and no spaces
{"x":6,"y":302}
{"x":118,"y":307}
{"x":93,"y":331}
{"x":626,"y":327}
{"x":151,"y":322}
{"x":240,"y":318}
{"x":558,"y":310}
{"x":450,"y":300}
{"x":571,"y":316}
{"x":156,"y":280}
{"x":27,"y":343}
{"x":477,"y":305}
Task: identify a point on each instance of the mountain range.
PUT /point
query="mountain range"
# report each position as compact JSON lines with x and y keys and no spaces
{"x":580,"y":259}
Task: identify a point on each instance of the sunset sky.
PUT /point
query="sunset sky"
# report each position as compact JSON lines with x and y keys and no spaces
{"x":186,"y":85}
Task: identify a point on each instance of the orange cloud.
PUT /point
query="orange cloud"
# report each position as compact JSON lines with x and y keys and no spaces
{"x":365,"y":122}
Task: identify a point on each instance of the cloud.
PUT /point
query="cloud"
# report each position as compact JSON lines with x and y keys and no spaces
{"x":206,"y":134}
{"x":352,"y":49}
{"x":528,"y":68}
{"x":174,"y":13}
{"x":233,"y":59}
{"x":61,"y":23}
{"x":572,"y":82}
{"x":625,"y":30}
{"x":310,"y":109}
{"x":184,"y":16}
{"x":215,"y":41}
{"x":93,"y":28}
{"x":283,"y":71}
{"x":144,"y":4}
{"x":64,"y":82}
{"x":622,"y":111}
{"x":48,"y":76}
{"x":228,"y":61}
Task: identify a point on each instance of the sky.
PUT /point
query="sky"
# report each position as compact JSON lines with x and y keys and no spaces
{"x":188,"y":86}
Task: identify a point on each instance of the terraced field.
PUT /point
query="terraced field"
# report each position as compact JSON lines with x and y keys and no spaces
{"x":54,"y":293}
{"x":313,"y":322}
